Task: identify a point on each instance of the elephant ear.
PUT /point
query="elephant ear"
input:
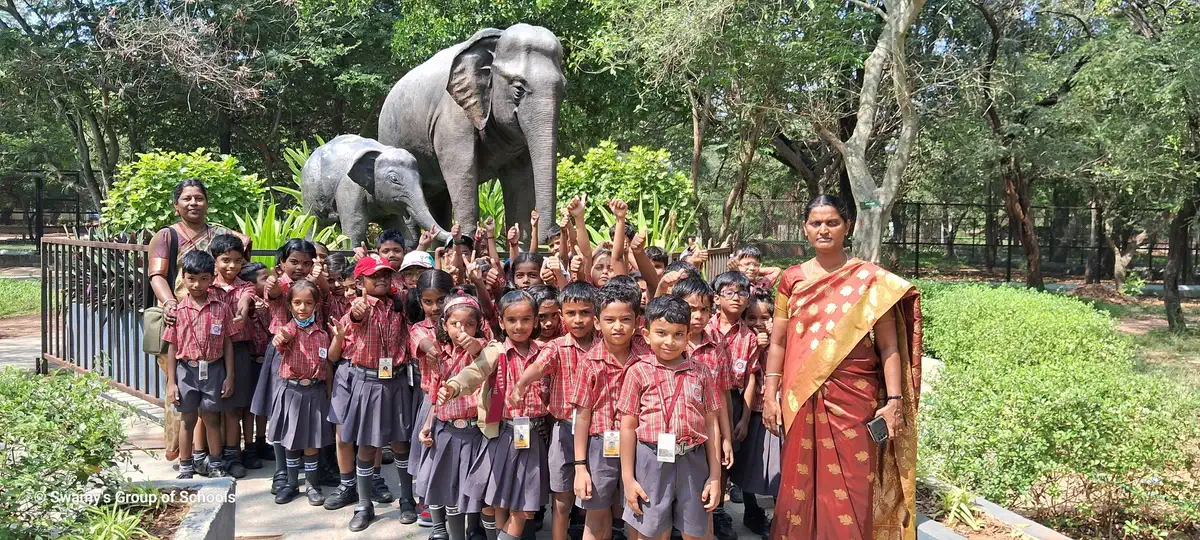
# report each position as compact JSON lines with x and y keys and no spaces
{"x":470,"y":82}
{"x":362,"y":169}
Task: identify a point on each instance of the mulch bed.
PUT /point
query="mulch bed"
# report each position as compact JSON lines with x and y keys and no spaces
{"x":1099,"y":292}
{"x":163,"y":522}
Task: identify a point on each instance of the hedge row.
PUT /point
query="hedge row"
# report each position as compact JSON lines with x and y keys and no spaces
{"x":1041,"y":407}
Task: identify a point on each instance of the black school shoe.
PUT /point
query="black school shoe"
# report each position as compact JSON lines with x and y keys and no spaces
{"x":329,"y":476}
{"x":363,"y":515}
{"x":756,"y":521}
{"x":388,"y":456}
{"x":218,"y":472}
{"x":286,"y":494}
{"x":315,"y":497}
{"x":251,"y":460}
{"x":735,"y":495}
{"x":235,"y":468}
{"x":278,"y":481}
{"x":341,"y":497}
{"x":723,"y":527}
{"x":201,"y":466}
{"x":186,"y":475}
{"x":382,"y":494}
{"x":265,"y":451}
{"x":408,"y":512}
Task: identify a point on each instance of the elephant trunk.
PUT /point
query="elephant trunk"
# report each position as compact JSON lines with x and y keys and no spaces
{"x":542,"y":140}
{"x":419,"y":211}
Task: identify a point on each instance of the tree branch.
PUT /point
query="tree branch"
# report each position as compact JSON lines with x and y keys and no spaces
{"x":874,"y":9}
{"x":1082,"y":24}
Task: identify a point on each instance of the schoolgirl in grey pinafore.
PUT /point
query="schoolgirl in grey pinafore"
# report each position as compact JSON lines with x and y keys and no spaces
{"x":452,"y":473}
{"x":299,"y":403}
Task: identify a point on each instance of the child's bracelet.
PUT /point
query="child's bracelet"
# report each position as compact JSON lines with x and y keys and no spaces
{"x":774,"y":375}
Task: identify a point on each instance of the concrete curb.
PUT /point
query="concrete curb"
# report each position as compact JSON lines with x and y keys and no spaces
{"x":211,"y":516}
{"x":928,"y":529}
{"x":1018,"y":522}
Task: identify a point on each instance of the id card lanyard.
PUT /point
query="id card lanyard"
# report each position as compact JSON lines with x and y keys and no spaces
{"x":666,"y":441}
{"x":612,"y":437}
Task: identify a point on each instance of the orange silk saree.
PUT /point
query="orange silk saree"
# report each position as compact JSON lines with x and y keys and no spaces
{"x":836,"y":482}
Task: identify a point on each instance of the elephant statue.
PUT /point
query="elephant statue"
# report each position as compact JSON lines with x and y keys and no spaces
{"x":354,"y":180}
{"x":485,"y":108}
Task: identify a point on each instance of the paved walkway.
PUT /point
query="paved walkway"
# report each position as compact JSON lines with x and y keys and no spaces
{"x":20,"y":272}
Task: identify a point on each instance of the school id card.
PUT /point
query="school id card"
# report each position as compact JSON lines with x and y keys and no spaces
{"x":385,"y":368}
{"x":612,"y":444}
{"x":666,"y":447}
{"x":521,"y":432}
{"x":203,"y":376}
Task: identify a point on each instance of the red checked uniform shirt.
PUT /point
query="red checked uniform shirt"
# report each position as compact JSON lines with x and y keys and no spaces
{"x":420,"y":332}
{"x":599,"y":388}
{"x":380,"y":334}
{"x":261,"y":332}
{"x":559,"y":360}
{"x":280,"y":314}
{"x":200,"y":329}
{"x":462,"y":407}
{"x":711,"y":354}
{"x":509,"y":368}
{"x":741,"y":342}
{"x":669,"y":400}
{"x":336,"y":306}
{"x":306,"y":355}
{"x":233,"y":293}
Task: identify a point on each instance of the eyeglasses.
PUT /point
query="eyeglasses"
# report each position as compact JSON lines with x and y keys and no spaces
{"x":735,"y":294}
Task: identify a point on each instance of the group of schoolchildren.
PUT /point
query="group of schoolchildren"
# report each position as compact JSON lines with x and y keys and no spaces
{"x":593,"y":377}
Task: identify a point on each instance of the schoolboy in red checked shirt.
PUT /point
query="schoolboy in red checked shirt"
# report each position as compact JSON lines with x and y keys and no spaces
{"x":560,"y":359}
{"x":598,"y":424}
{"x":670,"y":464}
{"x":199,"y":360}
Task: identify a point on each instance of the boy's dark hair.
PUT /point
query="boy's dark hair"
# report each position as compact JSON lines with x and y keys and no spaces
{"x":339,"y":266}
{"x":619,"y":294}
{"x":637,"y":276}
{"x":750,"y":252}
{"x":390,"y":235}
{"x":732,"y":278}
{"x":692,"y":271}
{"x":439,"y":326}
{"x":250,"y":270}
{"x":554,"y":230}
{"x":295,"y":245}
{"x":224,"y":243}
{"x":657,"y":254}
{"x":578,"y":291}
{"x":630,"y":232}
{"x":692,"y":287}
{"x":670,"y":308}
{"x":429,"y":279}
{"x":197,"y":262}
{"x":543,"y":293}
{"x":302,"y":285}
{"x":627,"y":283}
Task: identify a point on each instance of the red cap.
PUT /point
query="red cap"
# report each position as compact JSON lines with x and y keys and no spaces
{"x":369,"y":265}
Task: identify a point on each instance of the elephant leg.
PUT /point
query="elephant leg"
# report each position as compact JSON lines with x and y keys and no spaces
{"x":441,"y":208}
{"x":516,"y":182}
{"x":460,"y":169}
{"x":352,"y":211}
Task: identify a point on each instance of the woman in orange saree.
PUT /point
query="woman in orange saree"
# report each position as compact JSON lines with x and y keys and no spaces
{"x":845,"y":349}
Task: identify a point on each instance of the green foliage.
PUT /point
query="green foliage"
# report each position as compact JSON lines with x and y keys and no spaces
{"x":296,"y":157}
{"x":110,"y":522}
{"x":641,"y":174}
{"x":60,"y":437}
{"x":268,"y":230}
{"x":142,"y":197}
{"x":955,"y":506}
{"x":1132,"y":286}
{"x":669,"y":228}
{"x":20,"y":296}
{"x":1040,"y":407}
{"x":491,"y":204}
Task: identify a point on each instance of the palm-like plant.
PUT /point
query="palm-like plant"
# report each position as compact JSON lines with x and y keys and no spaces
{"x":268,"y":230}
{"x":664,"y":226}
{"x":295,"y":158}
{"x":491,"y":204}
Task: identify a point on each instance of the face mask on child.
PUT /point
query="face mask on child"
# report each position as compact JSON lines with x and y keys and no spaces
{"x":305,"y":323}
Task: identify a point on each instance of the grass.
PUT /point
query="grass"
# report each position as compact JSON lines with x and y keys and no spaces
{"x":1173,"y":354}
{"x":20,"y":297}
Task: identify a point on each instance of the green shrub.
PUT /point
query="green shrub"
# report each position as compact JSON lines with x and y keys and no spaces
{"x":1040,"y":407}
{"x":141,"y":197}
{"x":267,"y":229}
{"x":60,"y":438}
{"x":637,"y":175}
{"x":20,"y":296}
{"x":981,"y":324}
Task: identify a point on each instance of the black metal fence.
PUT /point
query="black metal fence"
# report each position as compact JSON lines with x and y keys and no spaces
{"x":923,"y":237}
{"x":93,"y":296}
{"x":33,"y":207}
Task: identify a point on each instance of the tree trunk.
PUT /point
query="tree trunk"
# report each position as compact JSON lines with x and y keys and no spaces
{"x":1017,"y":202}
{"x":1096,"y":239}
{"x":731,"y":213}
{"x":225,"y":131}
{"x":1059,"y":222}
{"x":1178,"y":240}
{"x":700,"y":119}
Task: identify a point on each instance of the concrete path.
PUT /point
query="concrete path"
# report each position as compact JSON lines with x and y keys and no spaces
{"x":21,"y":272}
{"x":20,"y":352}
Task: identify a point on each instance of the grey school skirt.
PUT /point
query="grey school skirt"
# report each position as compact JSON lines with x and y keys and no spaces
{"x":455,"y":468}
{"x":268,"y":378}
{"x":756,"y":464}
{"x":417,"y":452}
{"x":375,"y":413}
{"x":245,"y":376}
{"x":339,"y":397}
{"x":519,"y":479}
{"x":298,"y":415}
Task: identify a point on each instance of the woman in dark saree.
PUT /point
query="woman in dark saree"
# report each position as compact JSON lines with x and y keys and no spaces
{"x":192,"y":232}
{"x":845,"y":349}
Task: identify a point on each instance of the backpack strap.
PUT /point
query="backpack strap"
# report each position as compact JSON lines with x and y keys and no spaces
{"x":173,"y":258}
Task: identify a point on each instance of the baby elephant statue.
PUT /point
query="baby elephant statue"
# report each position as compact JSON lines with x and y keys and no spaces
{"x":354,"y":180}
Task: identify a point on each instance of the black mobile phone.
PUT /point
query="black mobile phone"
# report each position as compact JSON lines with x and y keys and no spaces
{"x":878,"y":430}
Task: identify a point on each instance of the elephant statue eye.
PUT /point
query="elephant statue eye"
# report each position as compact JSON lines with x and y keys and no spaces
{"x":518,"y":92}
